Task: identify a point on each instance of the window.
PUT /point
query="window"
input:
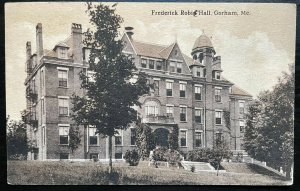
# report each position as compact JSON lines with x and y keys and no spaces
{"x":201,"y":58}
{"x":133,"y":136}
{"x":118,"y":155}
{"x":62,"y":78}
{"x":218,"y":117}
{"x":64,"y":135}
{"x":198,"y":139}
{"x":170,"y":111}
{"x":144,"y":63}
{"x":182,"y":113}
{"x":63,"y":105}
{"x":151,"y":110}
{"x":62,"y":53}
{"x":182,"y":88}
{"x":242,"y":126}
{"x":183,"y":138}
{"x":87,"y":54}
{"x":179,"y":66}
{"x":158,"y":65}
{"x":43,"y":106}
{"x":156,"y":87}
{"x":92,"y":135}
{"x":94,"y":156}
{"x":241,"y":107}
{"x":198,"y":72}
{"x":198,"y":115}
{"x":172,"y":66}
{"x":151,"y":64}
{"x":43,"y":136}
{"x":169,"y":88}
{"x":91,"y":76}
{"x":217,"y":95}
{"x":197,"y":92}
{"x":218,"y":75}
{"x":63,"y":156}
{"x":118,"y":138}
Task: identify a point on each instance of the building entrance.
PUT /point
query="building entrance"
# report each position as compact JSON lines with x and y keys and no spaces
{"x":160,"y":136}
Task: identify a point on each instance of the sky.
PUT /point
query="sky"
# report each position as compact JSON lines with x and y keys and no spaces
{"x":255,"y":49}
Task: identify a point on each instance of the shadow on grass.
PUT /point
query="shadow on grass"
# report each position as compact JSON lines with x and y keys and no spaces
{"x":261,"y":170}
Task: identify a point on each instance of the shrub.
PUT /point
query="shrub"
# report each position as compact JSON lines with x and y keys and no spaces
{"x":212,"y":156}
{"x":173,"y":157}
{"x":132,"y":157}
{"x":158,"y":154}
{"x":18,"y":157}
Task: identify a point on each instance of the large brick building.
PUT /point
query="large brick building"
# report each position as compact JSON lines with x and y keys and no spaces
{"x":189,"y":92}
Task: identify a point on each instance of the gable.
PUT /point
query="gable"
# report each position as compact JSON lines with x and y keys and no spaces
{"x":128,"y":48}
{"x":176,"y":55}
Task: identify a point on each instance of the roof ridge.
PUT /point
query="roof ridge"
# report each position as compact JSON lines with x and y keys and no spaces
{"x":150,"y":43}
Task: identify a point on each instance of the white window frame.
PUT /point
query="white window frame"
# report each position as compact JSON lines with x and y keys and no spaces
{"x":182,"y":87}
{"x":172,"y":84}
{"x":90,"y":76}
{"x":244,"y":125}
{"x":183,"y":106}
{"x":218,"y":89}
{"x":196,"y":86}
{"x":221,"y":111}
{"x":93,"y":129}
{"x":241,"y":102}
{"x":63,"y":69}
{"x":201,"y":133}
{"x":64,"y":126}
{"x":65,"y":98}
{"x":173,"y":64}
{"x":179,"y":65}
{"x":201,"y":114}
{"x":172,"y":108}
{"x":183,"y":130}
{"x":120,"y":134}
{"x":62,"y":53}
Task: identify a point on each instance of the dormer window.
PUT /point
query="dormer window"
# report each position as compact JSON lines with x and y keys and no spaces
{"x":62,"y":53}
{"x":217,"y":75}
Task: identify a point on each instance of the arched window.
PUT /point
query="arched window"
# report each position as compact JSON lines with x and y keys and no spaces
{"x":152,"y":108}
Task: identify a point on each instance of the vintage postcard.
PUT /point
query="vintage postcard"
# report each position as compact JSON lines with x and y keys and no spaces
{"x":136,"y":93}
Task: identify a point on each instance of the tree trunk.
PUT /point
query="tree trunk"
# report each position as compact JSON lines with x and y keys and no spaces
{"x":110,"y":153}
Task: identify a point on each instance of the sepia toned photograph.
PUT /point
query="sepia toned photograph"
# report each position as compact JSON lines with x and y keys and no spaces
{"x":136,"y":93}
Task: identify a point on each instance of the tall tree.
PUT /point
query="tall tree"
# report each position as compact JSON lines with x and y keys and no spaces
{"x":269,"y":132}
{"x":17,"y":145}
{"x":110,"y":98}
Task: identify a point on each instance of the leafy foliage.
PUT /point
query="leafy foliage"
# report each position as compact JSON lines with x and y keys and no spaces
{"x":144,"y":140}
{"x":132,"y":157}
{"x":17,"y":145}
{"x":213,"y":156}
{"x":171,"y":156}
{"x":227,"y":118}
{"x":269,"y":133}
{"x":75,"y":138}
{"x":109,"y":100}
{"x":173,"y":138}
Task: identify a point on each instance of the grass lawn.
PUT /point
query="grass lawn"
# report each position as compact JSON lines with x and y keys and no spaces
{"x":90,"y":173}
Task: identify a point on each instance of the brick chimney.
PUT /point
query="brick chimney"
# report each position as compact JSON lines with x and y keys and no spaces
{"x":28,"y":50}
{"x":39,"y":41}
{"x":77,"y":42}
{"x":129,"y":32}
